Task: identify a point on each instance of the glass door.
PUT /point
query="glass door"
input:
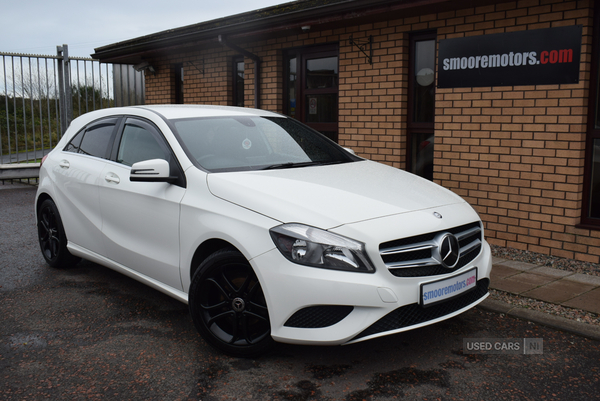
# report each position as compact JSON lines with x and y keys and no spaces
{"x":312,"y":89}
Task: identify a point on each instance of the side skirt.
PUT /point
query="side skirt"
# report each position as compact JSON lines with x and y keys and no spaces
{"x":101,"y":260}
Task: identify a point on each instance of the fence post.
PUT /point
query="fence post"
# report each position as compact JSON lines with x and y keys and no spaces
{"x":64,"y":86}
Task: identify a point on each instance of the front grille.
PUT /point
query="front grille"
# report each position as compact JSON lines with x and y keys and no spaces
{"x":418,"y":256}
{"x":314,"y":317}
{"x":413,"y":314}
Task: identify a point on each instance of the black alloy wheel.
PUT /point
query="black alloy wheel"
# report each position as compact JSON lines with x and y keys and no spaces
{"x":228,"y":306}
{"x":51,"y":235}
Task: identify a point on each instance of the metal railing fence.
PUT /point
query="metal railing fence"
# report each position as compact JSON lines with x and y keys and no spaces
{"x":41,"y":95}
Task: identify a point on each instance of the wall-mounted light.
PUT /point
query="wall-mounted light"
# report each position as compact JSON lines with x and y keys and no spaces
{"x":144,"y":65}
{"x":306,"y":28}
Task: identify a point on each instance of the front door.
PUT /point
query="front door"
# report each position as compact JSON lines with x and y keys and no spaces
{"x":312,"y":88}
{"x":141,"y":219}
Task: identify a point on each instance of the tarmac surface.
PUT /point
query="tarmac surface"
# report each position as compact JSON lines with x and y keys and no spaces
{"x":91,"y":333}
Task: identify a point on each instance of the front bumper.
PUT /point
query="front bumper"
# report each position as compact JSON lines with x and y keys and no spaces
{"x":310,"y":305}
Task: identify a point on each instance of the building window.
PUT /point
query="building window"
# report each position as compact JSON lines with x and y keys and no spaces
{"x":178,"y":81}
{"x":591,"y":192}
{"x":421,"y":105}
{"x":311,"y":88}
{"x":238,"y":81}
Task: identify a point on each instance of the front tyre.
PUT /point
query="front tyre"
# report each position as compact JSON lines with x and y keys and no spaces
{"x":228,"y":306}
{"x":52,"y":237}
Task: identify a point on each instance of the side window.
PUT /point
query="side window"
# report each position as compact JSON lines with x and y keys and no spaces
{"x":421,"y":105}
{"x":238,"y":81}
{"x":139,"y":143}
{"x":93,"y":141}
{"x":73,"y":146}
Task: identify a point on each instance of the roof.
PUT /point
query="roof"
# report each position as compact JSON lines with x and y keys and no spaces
{"x":282,"y":19}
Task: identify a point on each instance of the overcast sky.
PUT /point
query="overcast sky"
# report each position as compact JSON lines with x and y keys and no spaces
{"x":38,"y":26}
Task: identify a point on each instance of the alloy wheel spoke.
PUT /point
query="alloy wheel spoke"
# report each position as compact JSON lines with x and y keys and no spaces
{"x":228,"y":283}
{"x":256,"y":288}
{"x":54,"y":246}
{"x":235,"y":334}
{"x":224,"y":293}
{"x":44,"y":229}
{"x":245,"y":284}
{"x":259,"y":311}
{"x":210,"y":308}
{"x":220,"y":316}
{"x":258,"y":316}
{"x":245,"y":328}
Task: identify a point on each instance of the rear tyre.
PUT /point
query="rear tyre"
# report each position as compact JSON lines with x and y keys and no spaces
{"x":52,"y":237}
{"x":228,"y":306}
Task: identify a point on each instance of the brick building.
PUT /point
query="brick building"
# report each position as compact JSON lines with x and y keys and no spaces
{"x":520,"y":141}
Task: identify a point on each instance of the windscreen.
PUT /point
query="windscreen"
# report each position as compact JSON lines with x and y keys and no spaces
{"x":255,"y":143}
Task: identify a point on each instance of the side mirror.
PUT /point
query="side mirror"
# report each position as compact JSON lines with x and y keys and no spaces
{"x":351,"y":151}
{"x":155,"y":170}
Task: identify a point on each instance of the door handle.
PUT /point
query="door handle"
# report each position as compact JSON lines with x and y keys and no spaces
{"x":112,"y":177}
{"x":64,"y":164}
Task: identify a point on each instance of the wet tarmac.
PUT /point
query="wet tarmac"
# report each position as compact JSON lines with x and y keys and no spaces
{"x":89,"y":333}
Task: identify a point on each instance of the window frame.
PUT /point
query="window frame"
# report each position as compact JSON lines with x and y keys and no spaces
{"x":414,"y":128}
{"x":114,"y":121}
{"x":174,"y":165}
{"x":592,"y":133}
{"x":235,"y":86}
{"x":301,"y":56}
{"x":178,"y":81}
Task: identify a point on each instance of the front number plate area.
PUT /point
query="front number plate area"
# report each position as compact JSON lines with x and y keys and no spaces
{"x":442,"y":290}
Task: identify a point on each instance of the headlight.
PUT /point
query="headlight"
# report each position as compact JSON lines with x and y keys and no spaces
{"x":311,"y":246}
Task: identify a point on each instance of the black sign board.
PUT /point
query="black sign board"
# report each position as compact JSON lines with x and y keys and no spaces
{"x":535,"y":57}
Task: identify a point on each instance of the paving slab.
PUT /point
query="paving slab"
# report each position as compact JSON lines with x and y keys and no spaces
{"x":585,"y":278}
{"x":590,"y":301}
{"x":515,"y":264}
{"x":522,"y":282}
{"x":501,"y":271}
{"x":559,"y":291}
{"x":549,"y":271}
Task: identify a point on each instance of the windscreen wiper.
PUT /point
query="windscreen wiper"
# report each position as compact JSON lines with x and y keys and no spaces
{"x":291,"y":165}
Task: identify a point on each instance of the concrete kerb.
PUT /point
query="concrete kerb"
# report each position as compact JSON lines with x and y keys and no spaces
{"x":546,"y":319}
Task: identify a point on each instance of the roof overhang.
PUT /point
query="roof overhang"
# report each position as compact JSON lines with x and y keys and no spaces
{"x":272,"y":22}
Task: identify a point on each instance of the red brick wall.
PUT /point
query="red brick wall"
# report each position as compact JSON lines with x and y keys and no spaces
{"x":515,"y":153}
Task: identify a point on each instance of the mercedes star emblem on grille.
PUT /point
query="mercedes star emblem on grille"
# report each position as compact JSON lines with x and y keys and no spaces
{"x":449,"y":251}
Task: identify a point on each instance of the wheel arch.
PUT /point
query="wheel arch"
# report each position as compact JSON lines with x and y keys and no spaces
{"x":206,"y":249}
{"x":40,"y":199}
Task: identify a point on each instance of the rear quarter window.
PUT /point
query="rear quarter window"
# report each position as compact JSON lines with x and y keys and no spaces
{"x":93,"y":141}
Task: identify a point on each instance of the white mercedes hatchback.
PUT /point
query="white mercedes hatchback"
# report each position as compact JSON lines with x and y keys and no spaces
{"x":268,"y":230}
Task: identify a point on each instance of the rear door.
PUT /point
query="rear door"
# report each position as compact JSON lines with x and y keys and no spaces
{"x":141,"y":219}
{"x":77,"y":178}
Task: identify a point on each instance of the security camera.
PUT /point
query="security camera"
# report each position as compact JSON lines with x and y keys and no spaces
{"x":141,"y":66}
{"x":144,"y":65}
{"x":306,"y":28}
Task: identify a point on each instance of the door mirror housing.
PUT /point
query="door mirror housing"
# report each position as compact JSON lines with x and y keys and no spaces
{"x":154,"y":170}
